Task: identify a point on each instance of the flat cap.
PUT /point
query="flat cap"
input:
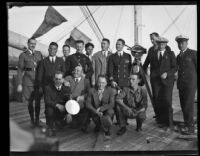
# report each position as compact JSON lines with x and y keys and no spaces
{"x":181,"y":38}
{"x":138,"y":48}
{"x":162,"y":40}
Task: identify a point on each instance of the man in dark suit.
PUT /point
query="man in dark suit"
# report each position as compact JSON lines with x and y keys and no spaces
{"x":49,"y":66}
{"x":132,"y":103}
{"x":79,"y":58}
{"x":27,"y":83}
{"x":79,"y":86}
{"x":163,"y":67}
{"x":187,"y":81}
{"x":55,"y":98}
{"x":89,"y":50}
{"x":100,"y":60}
{"x":66,"y":52}
{"x":152,"y":50}
{"x":119,"y":67}
{"x":100,"y":103}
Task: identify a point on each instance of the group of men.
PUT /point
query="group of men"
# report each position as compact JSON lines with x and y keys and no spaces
{"x":105,"y":84}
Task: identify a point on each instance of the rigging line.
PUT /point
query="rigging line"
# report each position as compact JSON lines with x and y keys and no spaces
{"x":174,"y":21}
{"x":171,"y":19}
{"x":78,"y":24}
{"x":95,"y":22}
{"x":120,"y":15}
{"x":90,"y":22}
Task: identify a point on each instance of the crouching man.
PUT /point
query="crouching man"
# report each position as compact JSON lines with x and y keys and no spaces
{"x":100,"y":102}
{"x":55,"y":98}
{"x":132,"y":103}
{"x":79,"y":86}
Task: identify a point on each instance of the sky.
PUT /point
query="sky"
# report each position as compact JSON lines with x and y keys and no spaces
{"x":115,"y":22}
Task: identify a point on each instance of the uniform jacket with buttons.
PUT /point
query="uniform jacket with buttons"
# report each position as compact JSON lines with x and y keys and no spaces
{"x":119,"y":69}
{"x":99,"y":64}
{"x":77,"y":58}
{"x":27,"y":67}
{"x":187,"y":69}
{"x":47,"y":70}
{"x":168,"y":65}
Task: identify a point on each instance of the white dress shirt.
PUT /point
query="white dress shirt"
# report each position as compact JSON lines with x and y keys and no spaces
{"x":52,"y":58}
{"x":120,"y":53}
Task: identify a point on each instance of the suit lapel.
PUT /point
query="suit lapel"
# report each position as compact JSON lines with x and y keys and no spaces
{"x":96,"y":98}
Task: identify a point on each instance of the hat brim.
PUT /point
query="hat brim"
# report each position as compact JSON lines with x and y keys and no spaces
{"x":181,"y":39}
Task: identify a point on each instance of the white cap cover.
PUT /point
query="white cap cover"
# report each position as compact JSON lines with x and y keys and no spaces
{"x":72,"y":107}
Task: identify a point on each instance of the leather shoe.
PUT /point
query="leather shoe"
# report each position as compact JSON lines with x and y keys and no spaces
{"x":121,"y":131}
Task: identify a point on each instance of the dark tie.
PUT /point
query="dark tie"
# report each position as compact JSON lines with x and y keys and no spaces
{"x":160,"y":58}
{"x":76,"y":81}
{"x":181,"y":53}
{"x":100,"y":93}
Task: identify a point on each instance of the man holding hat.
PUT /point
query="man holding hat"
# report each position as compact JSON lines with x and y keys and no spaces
{"x":163,"y":67}
{"x":187,"y":81}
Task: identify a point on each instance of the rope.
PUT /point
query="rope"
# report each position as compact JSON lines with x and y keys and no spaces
{"x":77,"y":25}
{"x":174,"y":21}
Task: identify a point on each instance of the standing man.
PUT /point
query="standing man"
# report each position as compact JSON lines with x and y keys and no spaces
{"x":27,"y":83}
{"x":187,"y":81}
{"x":66,"y":52}
{"x":119,"y":68}
{"x":48,"y":68}
{"x":89,"y":50}
{"x":55,"y":98}
{"x":100,"y":60}
{"x":100,"y":103}
{"x":79,"y":58}
{"x":132,"y":103}
{"x":79,"y":86}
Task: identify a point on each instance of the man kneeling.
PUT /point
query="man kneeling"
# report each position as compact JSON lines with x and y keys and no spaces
{"x":100,"y":102}
{"x":132,"y":103}
{"x":55,"y":97}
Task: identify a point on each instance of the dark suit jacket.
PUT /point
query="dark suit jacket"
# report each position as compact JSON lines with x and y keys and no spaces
{"x":74,"y":60}
{"x":119,"y":69}
{"x":53,"y":96}
{"x":47,"y":70}
{"x":187,"y":69}
{"x":107,"y":102}
{"x":168,"y":65}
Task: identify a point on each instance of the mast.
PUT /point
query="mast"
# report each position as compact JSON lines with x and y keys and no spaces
{"x":137,"y":24}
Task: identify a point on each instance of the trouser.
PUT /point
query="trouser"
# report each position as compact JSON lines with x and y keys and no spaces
{"x":164,"y":105}
{"x":105,"y":121}
{"x":187,"y":96}
{"x":123,"y":115}
{"x":52,"y":115}
{"x":31,"y":94}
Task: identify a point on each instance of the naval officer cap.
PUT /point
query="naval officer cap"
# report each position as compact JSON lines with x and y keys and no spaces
{"x":162,"y":40}
{"x":181,"y":38}
{"x":138,"y":48}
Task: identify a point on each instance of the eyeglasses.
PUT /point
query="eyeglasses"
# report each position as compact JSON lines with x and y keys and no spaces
{"x":57,"y":79}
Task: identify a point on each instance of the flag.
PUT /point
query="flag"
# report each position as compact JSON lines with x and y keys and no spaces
{"x":52,"y":18}
{"x":76,"y":35}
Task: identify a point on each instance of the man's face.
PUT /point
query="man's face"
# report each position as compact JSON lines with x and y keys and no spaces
{"x":79,"y":47}
{"x":161,"y":46}
{"x":182,"y":45}
{"x":134,"y":80}
{"x":119,"y":46}
{"x":153,"y":39}
{"x":53,"y":50}
{"x":58,"y":79}
{"x":101,"y":83}
{"x":66,"y":51}
{"x":89,"y":50}
{"x":104,"y":45}
{"x":78,"y":71}
{"x":31,"y":44}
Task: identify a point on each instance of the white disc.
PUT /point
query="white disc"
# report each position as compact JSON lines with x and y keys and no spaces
{"x":72,"y":107}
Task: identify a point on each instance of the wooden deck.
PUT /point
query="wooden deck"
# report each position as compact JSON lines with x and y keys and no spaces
{"x":75,"y":140}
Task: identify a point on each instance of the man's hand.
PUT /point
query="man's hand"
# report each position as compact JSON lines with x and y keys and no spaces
{"x":80,"y":98}
{"x":141,"y":110}
{"x":19,"y":88}
{"x":100,"y":114}
{"x":129,"y":111}
{"x":113,"y":84}
{"x":68,"y":118}
{"x":66,"y":83}
{"x":176,"y":76}
{"x":164,"y":75}
{"x":60,"y":107}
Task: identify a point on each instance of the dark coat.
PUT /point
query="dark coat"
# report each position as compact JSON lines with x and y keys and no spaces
{"x":107,"y":102}
{"x":53,"y":96}
{"x":187,"y":69}
{"x":119,"y":69}
{"x":47,"y":70}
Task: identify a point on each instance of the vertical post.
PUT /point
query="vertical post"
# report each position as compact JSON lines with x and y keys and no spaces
{"x":138,"y":24}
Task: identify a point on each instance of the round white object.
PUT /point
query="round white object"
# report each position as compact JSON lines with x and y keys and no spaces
{"x":72,"y":107}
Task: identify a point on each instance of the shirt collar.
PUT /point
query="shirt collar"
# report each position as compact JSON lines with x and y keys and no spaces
{"x":52,"y":57}
{"x":184,"y":50}
{"x":30,"y":51}
{"x":134,"y":92}
{"x":79,"y":78}
{"x":58,"y":87}
{"x":120,"y":53}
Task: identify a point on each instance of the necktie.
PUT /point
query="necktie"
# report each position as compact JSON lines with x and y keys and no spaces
{"x":100,"y":93}
{"x":160,"y":58}
{"x":181,"y":53}
{"x":76,"y":80}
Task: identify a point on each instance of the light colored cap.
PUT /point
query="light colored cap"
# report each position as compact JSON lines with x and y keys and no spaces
{"x":162,"y":40}
{"x":181,"y":38}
